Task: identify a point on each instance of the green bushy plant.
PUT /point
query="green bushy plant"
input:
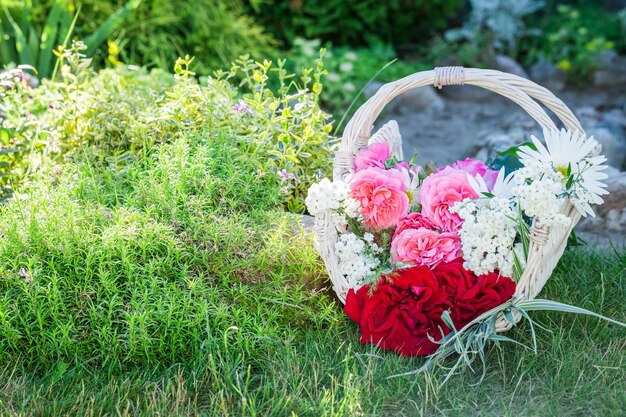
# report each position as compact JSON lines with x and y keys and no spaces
{"x":150,"y":264}
{"x":116,"y":114}
{"x":158,"y":31}
{"x":573,"y":38}
{"x":398,"y":22}
{"x":500,"y":23}
{"x":350,"y":70}
{"x":26,"y":41}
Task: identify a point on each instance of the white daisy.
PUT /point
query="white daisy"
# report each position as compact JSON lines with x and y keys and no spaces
{"x":571,"y":154}
{"x":502,"y":188}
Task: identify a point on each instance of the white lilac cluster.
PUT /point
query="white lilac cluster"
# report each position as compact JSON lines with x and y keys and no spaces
{"x":356,"y":258}
{"x":541,"y":193}
{"x":334,"y":196}
{"x":488,"y":235}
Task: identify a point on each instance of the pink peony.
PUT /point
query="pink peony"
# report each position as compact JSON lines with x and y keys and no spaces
{"x":381,"y":196}
{"x":439,"y":192}
{"x":475,"y":167}
{"x":425,"y":247}
{"x":374,"y":155}
{"x":413,"y":221}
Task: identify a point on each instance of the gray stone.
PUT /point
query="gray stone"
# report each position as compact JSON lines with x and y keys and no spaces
{"x":612,"y":146}
{"x":615,"y":119}
{"x":611,"y":215}
{"x":413,"y":101}
{"x":588,"y":116}
{"x":507,"y":64}
{"x":306,"y":222}
{"x":548,"y":75}
{"x":468,"y":93}
{"x":372,"y":88}
{"x":417,"y":100}
{"x":490,"y":144}
{"x":611,"y":70}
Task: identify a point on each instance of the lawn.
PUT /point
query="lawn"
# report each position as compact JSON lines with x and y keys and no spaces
{"x":177,"y":284}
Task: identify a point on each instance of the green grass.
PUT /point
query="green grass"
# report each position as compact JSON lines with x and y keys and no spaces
{"x":177,"y":285}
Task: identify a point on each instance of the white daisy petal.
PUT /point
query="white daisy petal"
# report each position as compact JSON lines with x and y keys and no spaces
{"x":570,"y":154}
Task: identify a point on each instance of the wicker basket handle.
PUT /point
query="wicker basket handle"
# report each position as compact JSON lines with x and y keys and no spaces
{"x":517,"y":89}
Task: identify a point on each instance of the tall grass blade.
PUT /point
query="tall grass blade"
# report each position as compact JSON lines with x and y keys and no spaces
{"x":106,"y":29}
{"x":21,"y":43}
{"x":354,"y":100}
{"x":549,"y":305}
{"x":49,"y":38}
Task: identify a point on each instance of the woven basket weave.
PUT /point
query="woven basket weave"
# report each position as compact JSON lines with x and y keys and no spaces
{"x":546,"y":245}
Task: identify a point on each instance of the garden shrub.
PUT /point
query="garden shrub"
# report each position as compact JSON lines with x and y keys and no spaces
{"x":574,"y":38}
{"x":350,"y":69}
{"x":398,"y":22}
{"x":150,"y":264}
{"x":158,"y":31}
{"x":118,"y":113}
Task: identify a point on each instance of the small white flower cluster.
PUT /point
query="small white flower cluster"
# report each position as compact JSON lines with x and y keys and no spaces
{"x":326,"y":195}
{"x":488,"y":235}
{"x":333,"y":196}
{"x":540,"y":191}
{"x":356,"y":261}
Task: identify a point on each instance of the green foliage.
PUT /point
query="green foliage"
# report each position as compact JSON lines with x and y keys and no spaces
{"x":158,"y":31}
{"x":26,"y":42}
{"x":152,"y":263}
{"x":267,"y":347}
{"x":501,"y":21}
{"x":350,"y":69}
{"x":574,"y":39}
{"x":119,"y":113}
{"x":398,"y":22}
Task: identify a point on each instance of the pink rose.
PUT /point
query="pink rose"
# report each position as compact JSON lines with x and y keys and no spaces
{"x":475,"y":167}
{"x":413,"y":221}
{"x":439,"y":192}
{"x":425,"y":247}
{"x":374,"y":155}
{"x":381,"y":196}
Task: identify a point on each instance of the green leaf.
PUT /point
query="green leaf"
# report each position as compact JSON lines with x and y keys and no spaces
{"x":21,"y":43}
{"x":549,"y":305}
{"x":105,"y":30}
{"x":49,"y":39}
{"x":391,"y":162}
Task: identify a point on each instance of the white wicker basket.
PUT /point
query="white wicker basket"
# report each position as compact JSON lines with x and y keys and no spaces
{"x":546,"y":246}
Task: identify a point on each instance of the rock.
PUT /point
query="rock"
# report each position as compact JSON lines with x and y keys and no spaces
{"x":306,"y":222}
{"x":417,"y":100}
{"x":493,"y":142}
{"x":611,"y":215}
{"x":615,"y":119}
{"x":507,"y":64}
{"x":372,"y":88}
{"x":548,"y":75}
{"x":413,"y":101}
{"x":468,"y":93}
{"x":610,"y":71}
{"x":588,"y":116}
{"x":613,"y":147}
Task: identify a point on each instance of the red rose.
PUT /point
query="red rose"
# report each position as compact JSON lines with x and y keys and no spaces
{"x":470,"y":295}
{"x":413,"y":221}
{"x":402,"y":312}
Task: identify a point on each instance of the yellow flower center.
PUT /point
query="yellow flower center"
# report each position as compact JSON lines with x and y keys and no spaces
{"x":562,"y":170}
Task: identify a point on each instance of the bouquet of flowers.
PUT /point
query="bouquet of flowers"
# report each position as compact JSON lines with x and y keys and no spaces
{"x":432,"y":257}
